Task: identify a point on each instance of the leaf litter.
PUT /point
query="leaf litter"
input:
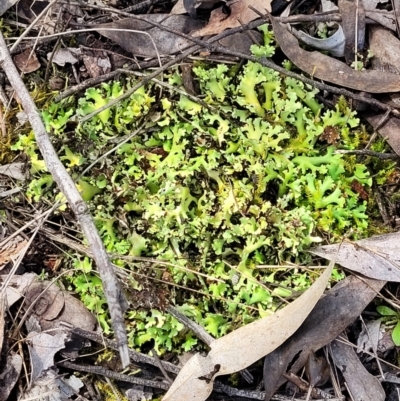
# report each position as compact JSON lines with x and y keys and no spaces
{"x":296,"y":332}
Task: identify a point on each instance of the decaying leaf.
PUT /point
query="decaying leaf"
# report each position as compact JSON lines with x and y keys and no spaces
{"x":316,"y":370}
{"x":42,"y":348}
{"x":27,"y":61}
{"x":48,"y":300}
{"x":9,"y":374}
{"x":5,"y":5}
{"x":52,"y":388}
{"x":385,"y":48}
{"x":350,"y":12}
{"x":135,"y":35}
{"x":69,"y":386}
{"x":66,"y":55}
{"x":333,"y":313}
{"x":377,"y":257}
{"x":17,"y":286}
{"x":74,"y":313}
{"x":240,"y":14}
{"x":370,"y":335}
{"x":10,"y":251}
{"x":14,"y":170}
{"x":244,"y":346}
{"x":239,"y":42}
{"x":55,"y":306}
{"x":383,"y":17}
{"x":361,"y":384}
{"x":334,"y":44}
{"x":191,"y":6}
{"x":96,"y":62}
{"x":329,"y":69}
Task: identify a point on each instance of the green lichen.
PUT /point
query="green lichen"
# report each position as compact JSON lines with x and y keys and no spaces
{"x":220,"y":194}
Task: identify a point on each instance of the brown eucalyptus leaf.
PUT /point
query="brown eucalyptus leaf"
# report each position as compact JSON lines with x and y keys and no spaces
{"x":351,"y":12}
{"x":361,"y":384}
{"x":377,"y":257}
{"x":74,"y":313}
{"x":139,"y":43}
{"x":386,"y":50}
{"x":333,"y":313}
{"x":47,"y":305}
{"x":331,"y":70}
{"x":27,"y":61}
{"x":8,"y":252}
{"x":244,"y":346}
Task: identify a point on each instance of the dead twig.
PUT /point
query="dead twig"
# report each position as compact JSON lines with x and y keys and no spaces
{"x":366,"y":152}
{"x":198,"y":331}
{"x":134,"y":355}
{"x":160,"y":366}
{"x":99,"y":370}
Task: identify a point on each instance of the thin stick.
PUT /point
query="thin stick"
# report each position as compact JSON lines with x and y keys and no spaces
{"x":160,"y":366}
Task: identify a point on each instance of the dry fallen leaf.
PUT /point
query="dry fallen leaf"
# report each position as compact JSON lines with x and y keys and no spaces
{"x":386,"y":50}
{"x":9,"y":374}
{"x":5,"y":5}
{"x":350,"y":12}
{"x":370,"y":335}
{"x":10,"y":251}
{"x":240,"y":14}
{"x":27,"y":61}
{"x":17,"y":286}
{"x":328,"y":319}
{"x":244,"y":346}
{"x":14,"y":170}
{"x":42,"y":348}
{"x":135,"y":35}
{"x":55,"y":306}
{"x":377,"y":257}
{"x":329,"y":69}
{"x":383,"y":17}
{"x":361,"y":384}
{"x":65,"y":55}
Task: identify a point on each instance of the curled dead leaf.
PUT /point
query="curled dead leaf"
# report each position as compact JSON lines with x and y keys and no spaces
{"x":329,"y":69}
